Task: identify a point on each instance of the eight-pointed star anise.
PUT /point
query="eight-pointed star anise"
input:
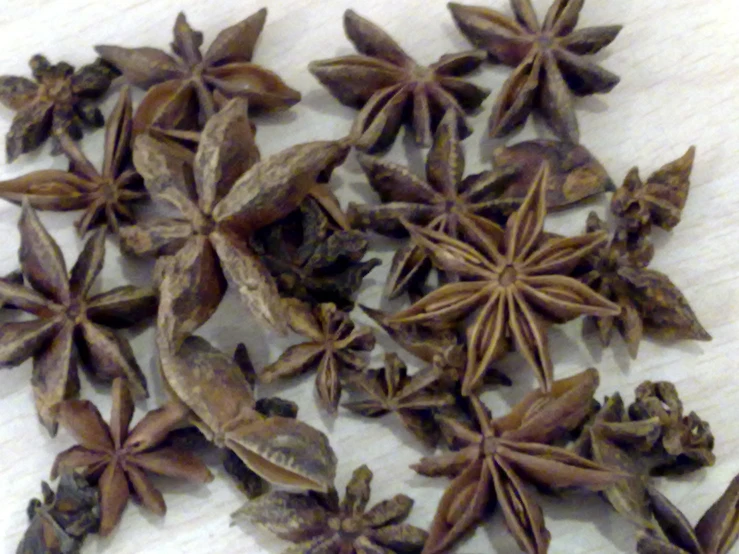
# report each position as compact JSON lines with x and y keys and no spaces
{"x":186,"y":88}
{"x":320,"y":524}
{"x":497,"y":464}
{"x":57,"y":104}
{"x":69,"y":318}
{"x":223,"y":195}
{"x":549,"y":61}
{"x":390,"y":87}
{"x":105,"y":196}
{"x":518,"y":284}
{"x":118,"y":458}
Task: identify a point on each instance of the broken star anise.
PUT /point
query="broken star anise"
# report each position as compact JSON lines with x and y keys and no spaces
{"x":518,"y":284}
{"x":57,"y":104}
{"x":320,"y":523}
{"x":68,"y":319}
{"x":118,"y":458}
{"x":390,"y":87}
{"x":105,"y":196}
{"x":550,"y":68}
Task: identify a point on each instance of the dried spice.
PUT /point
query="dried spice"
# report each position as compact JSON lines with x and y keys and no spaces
{"x":518,"y":284}
{"x":15,"y":278}
{"x":223,"y":196}
{"x":313,"y":260}
{"x":70,"y":322}
{"x":390,"y":87}
{"x":118,"y":458}
{"x":413,"y":398}
{"x":716,"y":532}
{"x":550,"y":67}
{"x":319,"y":523}
{"x":58,"y":104}
{"x":498,"y":462}
{"x":186,"y":88}
{"x":650,"y":302}
{"x":62,"y":520}
{"x":335,"y":346}
{"x":105,"y":196}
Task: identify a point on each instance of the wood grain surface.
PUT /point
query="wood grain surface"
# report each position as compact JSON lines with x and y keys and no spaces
{"x":680,"y":82}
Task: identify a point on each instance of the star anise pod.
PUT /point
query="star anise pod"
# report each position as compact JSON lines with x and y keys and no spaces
{"x":118,"y":458}
{"x":57,"y":104}
{"x":319,"y":523}
{"x":70,"y":321}
{"x":14,"y":277}
{"x":412,"y":398}
{"x":517,"y":284}
{"x":335,"y":346}
{"x":223,"y":196}
{"x":650,"y":302}
{"x":390,"y":87}
{"x":549,"y":62}
{"x":716,"y":532}
{"x":186,"y":88}
{"x":105,"y":196}
{"x":499,"y":462}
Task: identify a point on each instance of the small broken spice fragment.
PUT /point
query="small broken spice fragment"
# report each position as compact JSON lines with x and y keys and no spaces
{"x":70,"y":321}
{"x":57,"y":104}
{"x":390,"y":87}
{"x":105,"y":196}
{"x":118,"y":458}
{"x":335,"y":346}
{"x":320,"y":523}
{"x":549,"y":61}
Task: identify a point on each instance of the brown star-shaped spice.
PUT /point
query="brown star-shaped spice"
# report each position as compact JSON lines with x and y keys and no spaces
{"x":497,"y":463}
{"x":517,"y":284}
{"x":57,"y":104}
{"x":549,"y":59}
{"x":319,"y":523}
{"x":105,"y":196}
{"x":186,"y":88}
{"x":390,"y":87}
{"x":335,"y":346}
{"x":223,"y":195}
{"x":119,"y":458}
{"x":650,"y":302}
{"x":413,"y":398}
{"x":70,"y":322}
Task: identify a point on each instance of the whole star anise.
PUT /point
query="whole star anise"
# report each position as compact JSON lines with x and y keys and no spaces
{"x":319,"y":523}
{"x":118,"y":458}
{"x":70,"y":321}
{"x":57,"y":104}
{"x":105,"y":196}
{"x":390,"y":87}
{"x":549,"y":61}
{"x":517,"y":284}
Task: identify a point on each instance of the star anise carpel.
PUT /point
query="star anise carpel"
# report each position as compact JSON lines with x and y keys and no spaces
{"x":549,"y":61}
{"x":71,"y":323}
{"x":391,"y":88}
{"x":516,"y":285}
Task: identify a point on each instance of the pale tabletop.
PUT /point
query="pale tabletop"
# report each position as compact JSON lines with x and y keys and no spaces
{"x":680,"y":77}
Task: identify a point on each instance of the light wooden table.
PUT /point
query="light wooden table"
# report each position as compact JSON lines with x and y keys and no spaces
{"x":680,"y":79}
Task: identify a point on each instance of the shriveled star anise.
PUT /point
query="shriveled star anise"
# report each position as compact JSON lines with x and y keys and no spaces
{"x":336,"y":345}
{"x":498,"y":464}
{"x":118,"y":458}
{"x":549,"y":62}
{"x":105,"y":196}
{"x":390,"y":87}
{"x":322,"y":524}
{"x":517,"y":285}
{"x":57,"y":104}
{"x":70,"y":321}
{"x":185,"y":88}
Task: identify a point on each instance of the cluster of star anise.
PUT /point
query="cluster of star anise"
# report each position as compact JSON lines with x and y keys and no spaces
{"x":272,"y":229}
